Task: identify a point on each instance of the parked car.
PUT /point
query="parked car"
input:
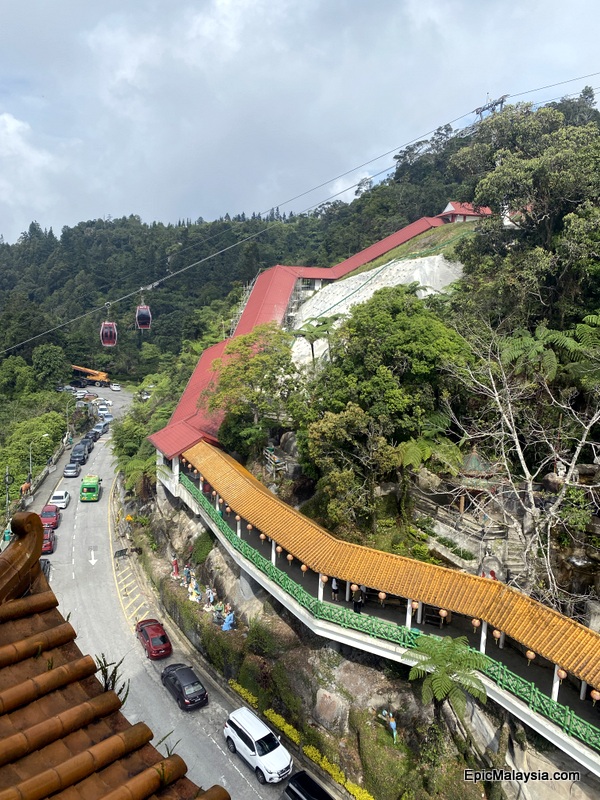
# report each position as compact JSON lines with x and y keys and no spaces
{"x":72,"y":470}
{"x":101,"y":427}
{"x":102,"y":408}
{"x":248,"y":735}
{"x":116,"y":387}
{"x":80,"y":454}
{"x":185,"y":686}
{"x":50,"y":516}
{"x":93,"y":435}
{"x":80,"y":394}
{"x":61,"y":498}
{"x":89,"y":397}
{"x":153,"y":638}
{"x":302,"y":786}
{"x":87,"y":443}
{"x":49,"y":542}
{"x":107,"y":417}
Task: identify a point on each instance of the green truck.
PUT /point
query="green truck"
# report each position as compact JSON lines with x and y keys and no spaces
{"x":90,"y":488}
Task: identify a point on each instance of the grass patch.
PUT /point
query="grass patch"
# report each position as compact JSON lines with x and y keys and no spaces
{"x":440,"y":240}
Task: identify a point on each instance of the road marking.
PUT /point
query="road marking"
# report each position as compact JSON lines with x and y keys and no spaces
{"x":133,"y":599}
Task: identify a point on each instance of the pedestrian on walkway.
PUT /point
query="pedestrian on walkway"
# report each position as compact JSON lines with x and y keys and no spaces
{"x":357,"y":600}
{"x":334,"y":589}
{"x":393,"y":726}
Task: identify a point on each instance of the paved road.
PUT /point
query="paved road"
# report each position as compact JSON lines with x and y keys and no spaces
{"x":104,"y":601}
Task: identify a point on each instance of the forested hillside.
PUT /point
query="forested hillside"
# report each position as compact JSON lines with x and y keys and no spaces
{"x":508,"y":360}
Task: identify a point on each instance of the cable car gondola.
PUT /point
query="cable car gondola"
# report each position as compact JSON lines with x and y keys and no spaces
{"x":108,"y":334}
{"x":143,"y":318}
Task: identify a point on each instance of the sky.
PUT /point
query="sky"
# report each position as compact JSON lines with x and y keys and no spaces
{"x":175,"y":110}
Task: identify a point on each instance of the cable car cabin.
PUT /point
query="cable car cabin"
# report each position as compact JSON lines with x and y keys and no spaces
{"x":143,"y":318}
{"x":108,"y":334}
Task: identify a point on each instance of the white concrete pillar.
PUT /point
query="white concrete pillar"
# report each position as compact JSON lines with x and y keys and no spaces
{"x":408,"y":622}
{"x":347,"y":591}
{"x":175,"y":466}
{"x":583,"y":690}
{"x":420,"y":613}
{"x":501,"y":641}
{"x":555,"y":683}
{"x":217,"y":501}
{"x":483,"y":639}
{"x":273,"y":552}
{"x":320,"y":589}
{"x":238,"y":525}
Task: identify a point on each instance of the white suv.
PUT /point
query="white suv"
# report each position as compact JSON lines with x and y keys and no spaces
{"x":247,"y":735}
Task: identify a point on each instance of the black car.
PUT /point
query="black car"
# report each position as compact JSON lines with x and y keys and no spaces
{"x":89,"y":442}
{"x":72,"y":470}
{"x":79,"y":453}
{"x":95,"y":435}
{"x":185,"y":686}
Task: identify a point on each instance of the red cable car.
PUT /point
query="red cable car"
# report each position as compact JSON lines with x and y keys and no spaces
{"x":143,"y":318}
{"x":108,"y":334}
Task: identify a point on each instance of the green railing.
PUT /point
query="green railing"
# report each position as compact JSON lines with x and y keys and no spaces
{"x":526,"y":691}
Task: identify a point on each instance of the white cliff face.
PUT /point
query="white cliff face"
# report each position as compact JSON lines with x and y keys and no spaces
{"x":433,"y":273}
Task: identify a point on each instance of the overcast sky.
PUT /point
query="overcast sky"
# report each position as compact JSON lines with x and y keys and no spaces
{"x":175,"y":110}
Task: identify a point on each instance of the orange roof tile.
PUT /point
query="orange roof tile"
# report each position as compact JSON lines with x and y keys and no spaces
{"x":61,"y":734}
{"x":559,"y":639}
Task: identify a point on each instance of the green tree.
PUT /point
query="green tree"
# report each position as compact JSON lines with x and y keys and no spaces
{"x":449,"y":668}
{"x":256,"y":377}
{"x":51,"y":365}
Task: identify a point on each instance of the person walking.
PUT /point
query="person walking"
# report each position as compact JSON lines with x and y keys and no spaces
{"x":357,"y":601}
{"x":334,"y":589}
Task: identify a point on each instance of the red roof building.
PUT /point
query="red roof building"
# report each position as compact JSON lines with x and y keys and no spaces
{"x":463,"y":212}
{"x":272,"y":300}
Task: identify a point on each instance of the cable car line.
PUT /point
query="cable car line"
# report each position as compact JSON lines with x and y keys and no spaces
{"x":268,"y":227}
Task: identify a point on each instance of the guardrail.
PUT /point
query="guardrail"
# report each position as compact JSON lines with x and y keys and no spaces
{"x":526,"y":691}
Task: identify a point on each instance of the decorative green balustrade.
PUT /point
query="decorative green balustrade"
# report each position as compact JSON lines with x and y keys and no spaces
{"x":526,"y":691}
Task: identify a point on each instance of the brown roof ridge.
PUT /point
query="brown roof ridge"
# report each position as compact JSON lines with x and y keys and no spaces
{"x":560,"y":639}
{"x":155,"y":777}
{"x":80,"y":766}
{"x":26,"y":606}
{"x":19,"y":563}
{"x":33,"y":688}
{"x":34,"y":645}
{"x":50,"y":730}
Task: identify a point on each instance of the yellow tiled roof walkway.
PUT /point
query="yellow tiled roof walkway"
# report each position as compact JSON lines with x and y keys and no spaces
{"x":550,"y":635}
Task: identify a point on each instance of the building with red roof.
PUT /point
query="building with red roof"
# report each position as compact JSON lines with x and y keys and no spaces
{"x":276,"y":294}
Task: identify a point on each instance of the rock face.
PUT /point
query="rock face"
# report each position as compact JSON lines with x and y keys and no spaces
{"x":331,"y":683}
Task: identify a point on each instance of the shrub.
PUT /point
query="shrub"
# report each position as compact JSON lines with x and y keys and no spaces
{"x":357,"y":791}
{"x":279,"y":722}
{"x":260,"y":639}
{"x":202,"y":546}
{"x":244,"y":693}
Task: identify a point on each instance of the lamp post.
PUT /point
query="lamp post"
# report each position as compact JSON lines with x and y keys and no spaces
{"x":31,"y":443}
{"x":69,"y":404}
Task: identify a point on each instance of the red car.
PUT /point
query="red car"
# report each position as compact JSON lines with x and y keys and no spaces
{"x":49,"y":540}
{"x":153,"y":638}
{"x":50,"y":516}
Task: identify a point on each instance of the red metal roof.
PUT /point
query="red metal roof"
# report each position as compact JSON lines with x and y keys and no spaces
{"x":385,"y":245}
{"x":454,"y":208}
{"x":268,"y":302}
